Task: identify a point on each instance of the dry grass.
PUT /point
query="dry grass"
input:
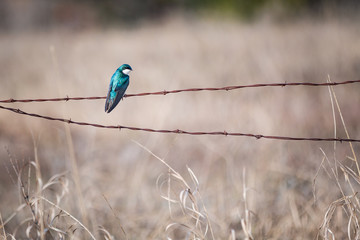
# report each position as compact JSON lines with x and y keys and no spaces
{"x":61,"y":181}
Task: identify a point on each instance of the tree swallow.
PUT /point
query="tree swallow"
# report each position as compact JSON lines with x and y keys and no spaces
{"x":118,"y":85}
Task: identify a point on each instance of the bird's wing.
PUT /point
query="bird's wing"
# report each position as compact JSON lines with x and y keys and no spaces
{"x":119,"y":93}
{"x":108,"y":97}
{"x":124,"y":83}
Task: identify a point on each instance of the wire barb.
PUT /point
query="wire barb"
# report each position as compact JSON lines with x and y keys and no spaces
{"x":178,"y":131}
{"x":258,"y":136}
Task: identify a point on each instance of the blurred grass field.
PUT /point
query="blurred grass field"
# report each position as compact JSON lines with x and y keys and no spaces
{"x":115,"y":183}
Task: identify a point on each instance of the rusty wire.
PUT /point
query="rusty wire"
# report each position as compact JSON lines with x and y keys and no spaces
{"x":165,"y":92}
{"x":178,"y":131}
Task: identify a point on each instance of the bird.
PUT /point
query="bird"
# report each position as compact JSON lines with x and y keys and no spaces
{"x":118,"y":85}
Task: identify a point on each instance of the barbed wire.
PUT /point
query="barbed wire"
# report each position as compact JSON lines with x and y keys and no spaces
{"x":178,"y":131}
{"x":165,"y":92}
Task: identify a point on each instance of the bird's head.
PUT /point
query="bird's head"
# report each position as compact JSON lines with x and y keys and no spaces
{"x":125,"y":69}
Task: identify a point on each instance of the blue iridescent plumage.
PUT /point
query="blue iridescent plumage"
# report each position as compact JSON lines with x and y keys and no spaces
{"x":118,"y":85}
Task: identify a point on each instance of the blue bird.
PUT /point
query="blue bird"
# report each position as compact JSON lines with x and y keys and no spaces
{"x":118,"y":85}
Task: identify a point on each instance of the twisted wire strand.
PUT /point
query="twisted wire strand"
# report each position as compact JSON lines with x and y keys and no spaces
{"x":165,"y":92}
{"x":178,"y":131}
